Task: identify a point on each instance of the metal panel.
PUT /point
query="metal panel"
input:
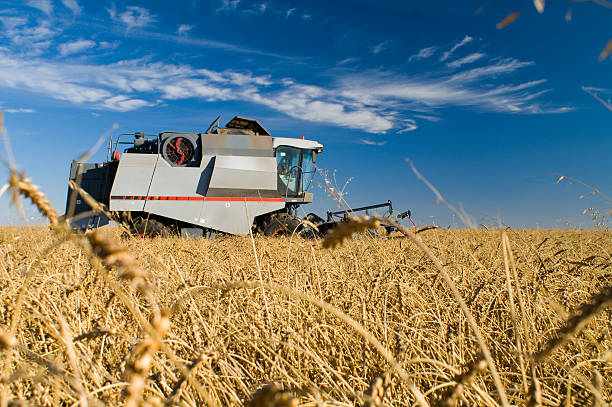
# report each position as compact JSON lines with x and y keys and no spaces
{"x":186,"y":211}
{"x":237,"y":144}
{"x":176,"y":182}
{"x":235,"y":217}
{"x":244,"y":173}
{"x":133,"y":179}
{"x":88,"y":222}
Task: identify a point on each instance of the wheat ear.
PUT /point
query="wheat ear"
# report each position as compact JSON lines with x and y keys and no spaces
{"x":23,"y":186}
{"x":453,"y":394}
{"x":7,"y":341}
{"x":575,"y":324}
{"x":345,"y":230}
{"x":272,"y":395}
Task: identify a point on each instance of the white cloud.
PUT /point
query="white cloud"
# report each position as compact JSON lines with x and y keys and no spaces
{"x":381,"y":46}
{"x":261,"y":8}
{"x":73,"y":5}
{"x":455,"y":47}
{"x":349,"y":60}
{"x":74,"y":47}
{"x":373,"y":143}
{"x":499,"y":67}
{"x":108,"y":45}
{"x":29,"y":39}
{"x":132,"y":17}
{"x":43,"y":5}
{"x":468,"y":59}
{"x":123,"y":103}
{"x":372,"y":101}
{"x":315,"y":104}
{"x":409,"y":125}
{"x":423,"y":53}
{"x":184,"y":28}
{"x":427,"y":117}
{"x":474,"y":88}
{"x":228,"y":5}
{"x":20,"y":110}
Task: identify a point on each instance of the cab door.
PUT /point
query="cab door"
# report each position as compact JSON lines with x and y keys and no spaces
{"x":288,"y":166}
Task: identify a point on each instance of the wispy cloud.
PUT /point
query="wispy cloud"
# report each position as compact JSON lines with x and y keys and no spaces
{"x":408,"y":125}
{"x":455,"y":47}
{"x":193,"y":41}
{"x":372,"y":142}
{"x":132,"y":17}
{"x":183,"y":29}
{"x":228,"y":5}
{"x":19,"y":110}
{"x":423,"y":53}
{"x":468,"y":59}
{"x":75,"y":47}
{"x":43,"y":5}
{"x":73,"y":5}
{"x":30,"y":39}
{"x":276,"y":8}
{"x":475,"y":88}
{"x":381,"y":46}
{"x":375,"y":101}
{"x":348,"y":60}
{"x":427,"y":117}
{"x":123,"y":85}
{"x":106,"y":45}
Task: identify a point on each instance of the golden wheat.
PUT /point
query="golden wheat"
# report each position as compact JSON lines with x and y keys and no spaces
{"x":385,"y":285}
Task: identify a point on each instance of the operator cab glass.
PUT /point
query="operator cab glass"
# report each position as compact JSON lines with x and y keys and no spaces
{"x":295,"y":168}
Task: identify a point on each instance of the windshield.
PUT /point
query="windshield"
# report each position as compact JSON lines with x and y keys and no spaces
{"x":288,"y":164}
{"x":308,"y":169}
{"x":295,"y":170}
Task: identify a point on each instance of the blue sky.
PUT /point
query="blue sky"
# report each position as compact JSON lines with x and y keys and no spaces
{"x":488,"y":116}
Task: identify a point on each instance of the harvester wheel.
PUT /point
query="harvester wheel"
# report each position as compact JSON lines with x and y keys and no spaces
{"x":142,"y":227}
{"x":284,"y":224}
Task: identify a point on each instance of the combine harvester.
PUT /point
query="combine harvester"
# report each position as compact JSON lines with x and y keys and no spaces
{"x":233,"y":179}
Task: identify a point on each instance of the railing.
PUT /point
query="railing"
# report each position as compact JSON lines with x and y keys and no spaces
{"x":112,"y":147}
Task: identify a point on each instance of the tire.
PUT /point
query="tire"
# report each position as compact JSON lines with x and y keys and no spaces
{"x":143,"y":227}
{"x":283,"y":224}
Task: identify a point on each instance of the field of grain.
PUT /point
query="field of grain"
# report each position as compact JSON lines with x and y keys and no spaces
{"x":285,"y":322}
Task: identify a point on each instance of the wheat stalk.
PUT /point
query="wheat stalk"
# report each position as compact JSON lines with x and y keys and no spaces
{"x":358,"y":224}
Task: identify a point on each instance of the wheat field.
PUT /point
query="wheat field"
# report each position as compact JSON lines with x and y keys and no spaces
{"x":108,"y":320}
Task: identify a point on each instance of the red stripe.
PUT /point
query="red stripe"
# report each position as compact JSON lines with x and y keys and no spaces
{"x":242,"y":199}
{"x":200,"y":198}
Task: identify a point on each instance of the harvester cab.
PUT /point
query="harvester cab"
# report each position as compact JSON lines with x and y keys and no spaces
{"x":230,"y":179}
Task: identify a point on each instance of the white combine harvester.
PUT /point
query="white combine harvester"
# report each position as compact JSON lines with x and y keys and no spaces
{"x":230,"y":179}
